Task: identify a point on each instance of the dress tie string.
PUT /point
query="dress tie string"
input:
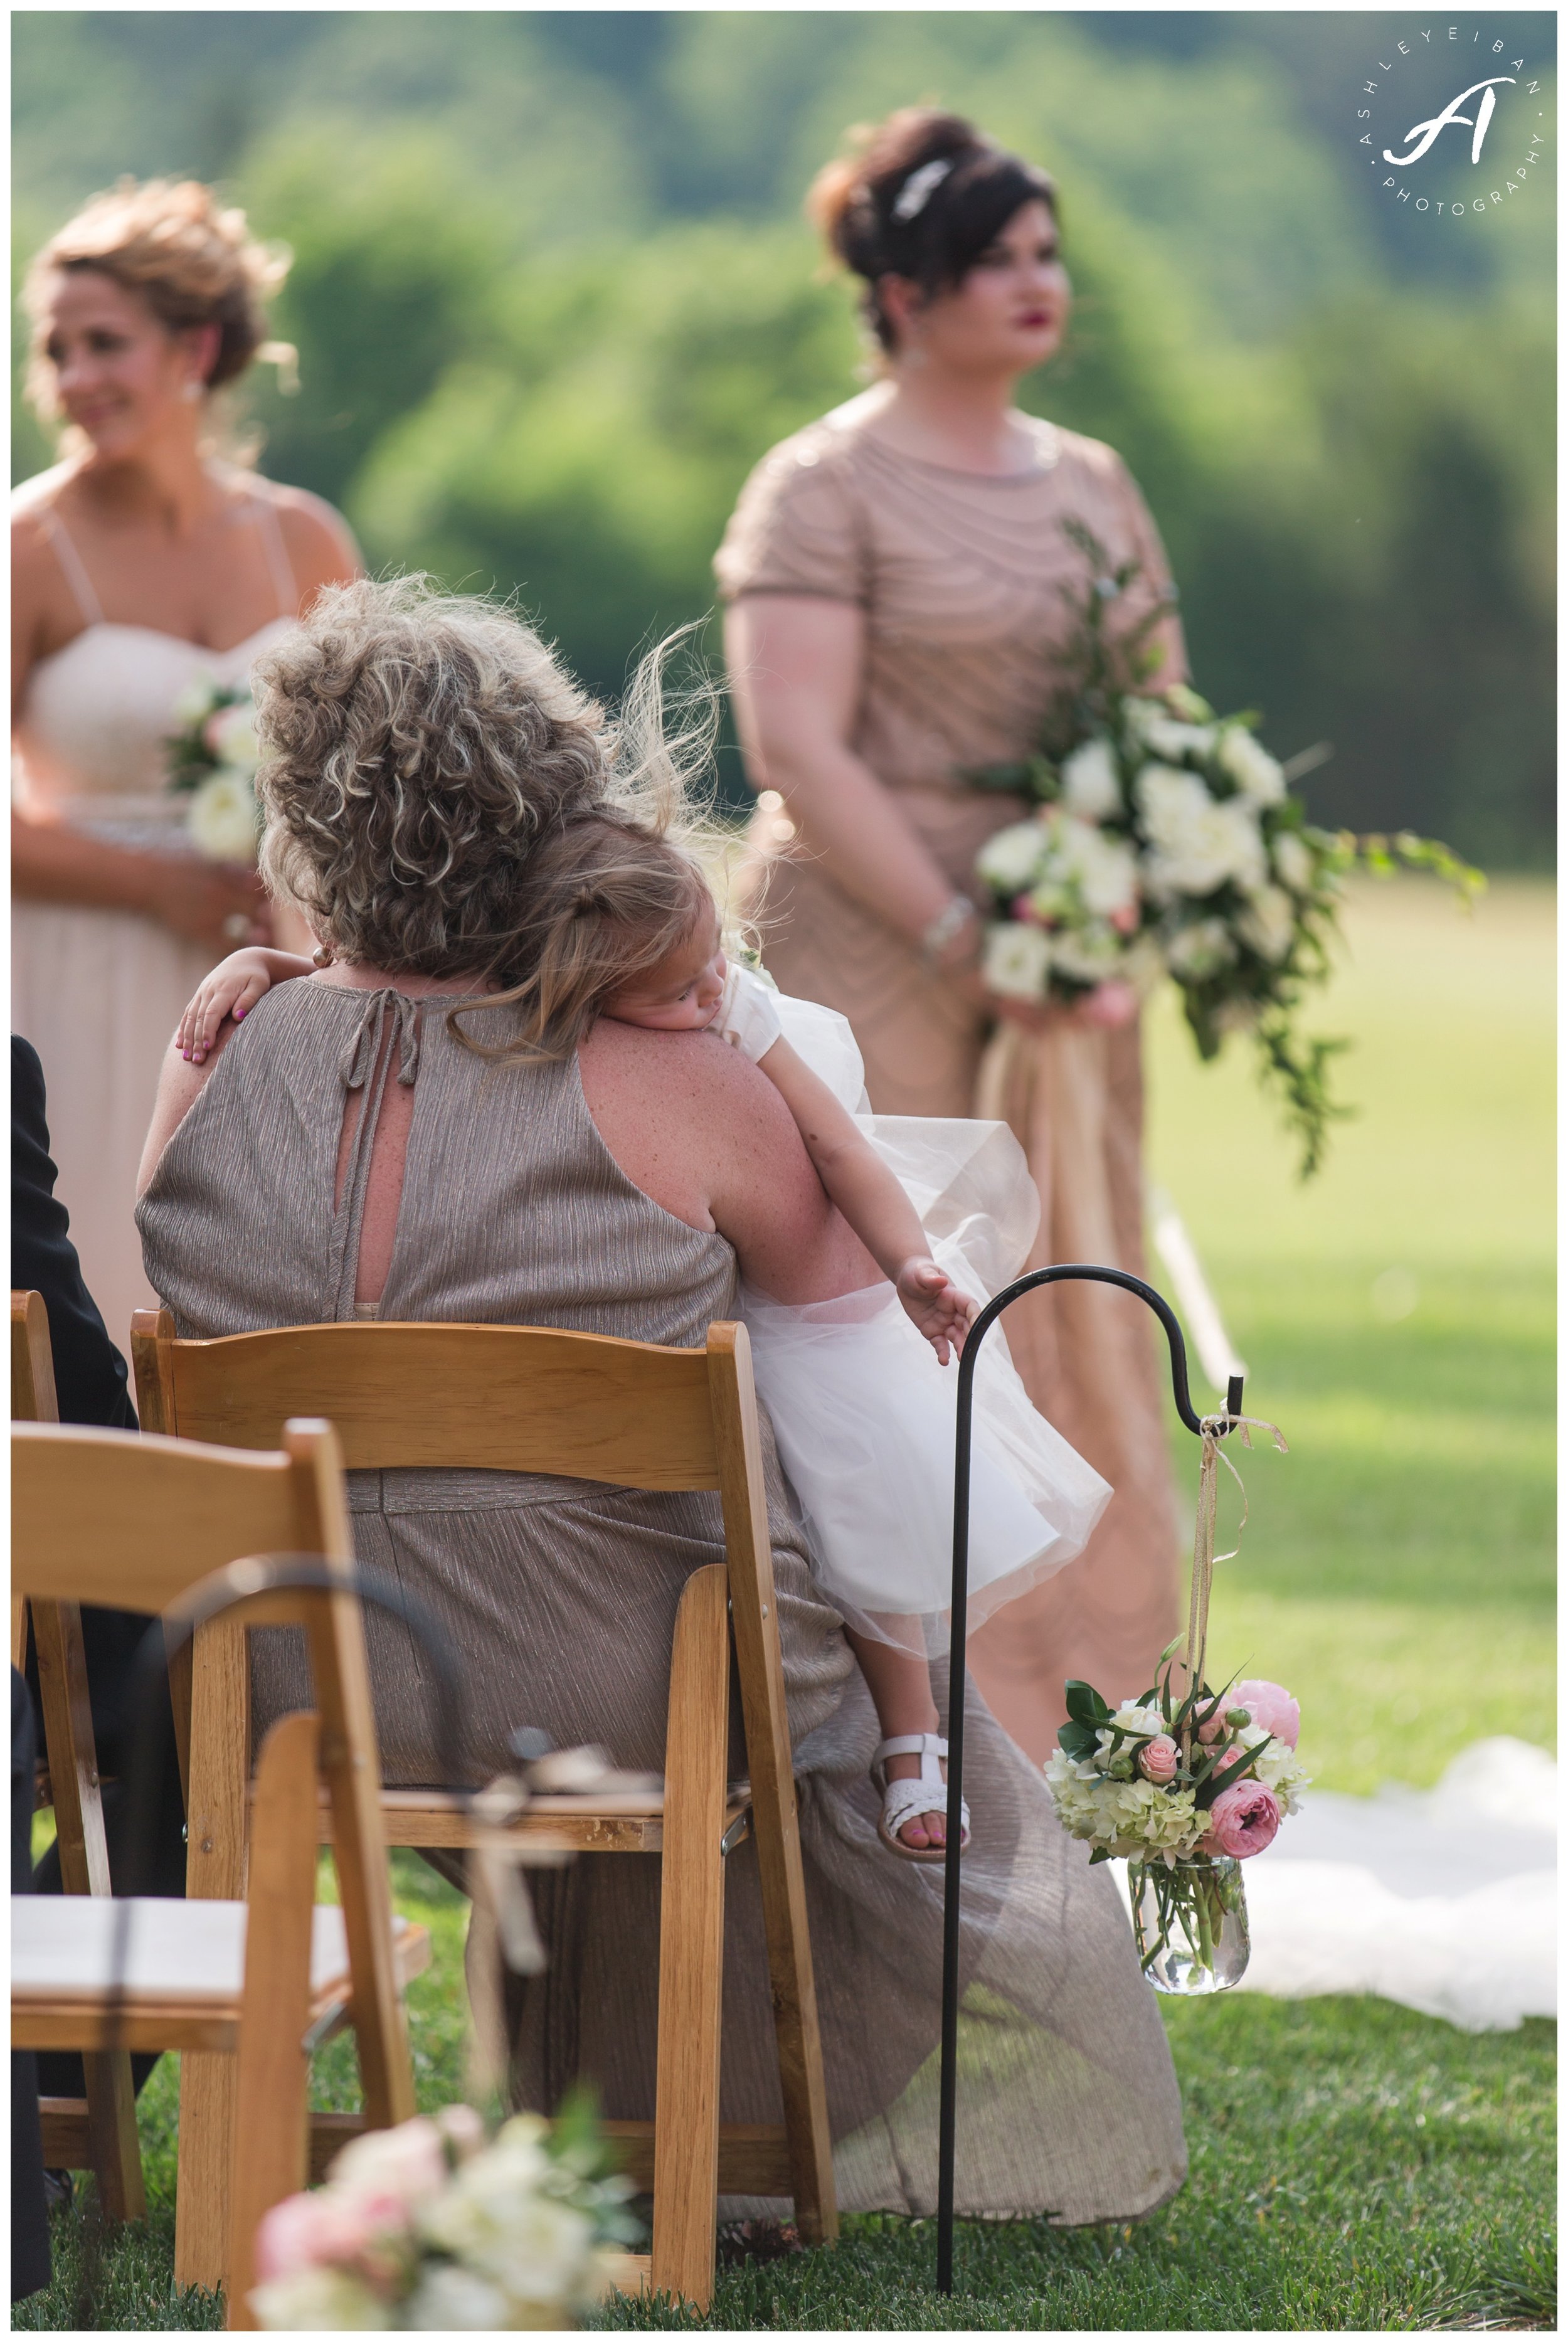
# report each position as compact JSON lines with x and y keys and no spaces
{"x":387,"y":1033}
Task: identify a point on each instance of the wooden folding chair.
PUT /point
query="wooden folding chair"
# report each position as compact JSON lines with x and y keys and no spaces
{"x":120,"y":1518}
{"x":520,"y":1399}
{"x":97,"y":2132}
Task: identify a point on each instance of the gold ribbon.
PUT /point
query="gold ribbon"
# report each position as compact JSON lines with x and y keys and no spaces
{"x":1213,"y":1429}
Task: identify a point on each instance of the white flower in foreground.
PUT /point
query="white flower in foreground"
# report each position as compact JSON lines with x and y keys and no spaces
{"x":1166,"y":737}
{"x":1269,"y":923}
{"x":1201,"y":949}
{"x":1137,"y":715}
{"x":453,"y":2300}
{"x":1105,"y":869}
{"x":1010,"y":861}
{"x":1090,"y":787}
{"x":222,"y":819}
{"x":1255,"y":772}
{"x":319,"y":2301}
{"x":1017,"y":961}
{"x":1093,"y":955}
{"x":1195,"y":845}
{"x":495,"y":2219}
{"x":406,"y":2164}
{"x":1293,"y":863}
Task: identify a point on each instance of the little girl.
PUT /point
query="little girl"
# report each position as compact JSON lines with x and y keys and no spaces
{"x":862,"y":1412}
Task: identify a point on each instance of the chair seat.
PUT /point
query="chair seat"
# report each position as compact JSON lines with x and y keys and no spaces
{"x":181,"y":1966}
{"x":631,"y":1822}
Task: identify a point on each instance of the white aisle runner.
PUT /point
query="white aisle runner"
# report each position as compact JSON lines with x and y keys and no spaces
{"x":1443,"y":1899}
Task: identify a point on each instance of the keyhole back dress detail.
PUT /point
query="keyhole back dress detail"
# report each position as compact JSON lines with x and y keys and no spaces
{"x":560,"y":1596}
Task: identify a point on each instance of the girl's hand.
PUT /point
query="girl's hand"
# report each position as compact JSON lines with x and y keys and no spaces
{"x":935,"y":1306}
{"x":235,"y":986}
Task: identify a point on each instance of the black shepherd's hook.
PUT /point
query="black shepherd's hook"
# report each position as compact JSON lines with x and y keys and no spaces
{"x":947,"y":2120}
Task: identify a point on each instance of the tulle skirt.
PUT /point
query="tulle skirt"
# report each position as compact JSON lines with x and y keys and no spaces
{"x":865,"y":1418}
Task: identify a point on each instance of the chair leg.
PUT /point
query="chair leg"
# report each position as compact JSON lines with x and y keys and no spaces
{"x":113,"y":2143}
{"x":692,"y":1945}
{"x":272,"y":2069}
{"x":215,"y":1805}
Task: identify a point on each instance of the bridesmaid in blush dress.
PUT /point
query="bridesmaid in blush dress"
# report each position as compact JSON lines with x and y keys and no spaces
{"x":899,"y":579}
{"x":140,"y":565}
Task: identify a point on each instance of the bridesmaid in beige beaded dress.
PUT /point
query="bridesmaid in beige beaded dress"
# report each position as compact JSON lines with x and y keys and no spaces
{"x":898,"y":581}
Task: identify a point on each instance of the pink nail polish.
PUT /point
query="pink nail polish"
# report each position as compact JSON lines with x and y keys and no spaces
{"x":238,"y":1013}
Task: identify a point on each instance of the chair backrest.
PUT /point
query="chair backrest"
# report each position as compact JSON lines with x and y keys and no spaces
{"x":512,"y":1398}
{"x":137,"y":1522}
{"x":33,"y":1400}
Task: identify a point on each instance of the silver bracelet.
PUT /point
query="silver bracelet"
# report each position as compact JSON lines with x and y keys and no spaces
{"x":949,"y":920}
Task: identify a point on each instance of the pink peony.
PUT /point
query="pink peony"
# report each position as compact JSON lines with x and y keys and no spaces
{"x":1158,"y":1759}
{"x":1243,"y":1820}
{"x":1271,"y":1707}
{"x":322,"y":2230}
{"x":1111,"y":1004}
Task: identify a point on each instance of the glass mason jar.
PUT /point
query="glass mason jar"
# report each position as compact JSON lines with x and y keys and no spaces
{"x":1189,"y":1922}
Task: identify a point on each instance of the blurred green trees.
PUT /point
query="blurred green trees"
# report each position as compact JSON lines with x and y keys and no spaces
{"x":553,"y":299}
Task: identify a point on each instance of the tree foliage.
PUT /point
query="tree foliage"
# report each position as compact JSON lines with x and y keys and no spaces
{"x":552,"y":298}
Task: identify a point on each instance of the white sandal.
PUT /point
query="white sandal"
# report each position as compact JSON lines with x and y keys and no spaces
{"x":902,"y":1800}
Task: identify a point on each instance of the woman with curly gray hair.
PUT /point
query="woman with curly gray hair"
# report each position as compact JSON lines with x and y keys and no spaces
{"x":427,"y":1128}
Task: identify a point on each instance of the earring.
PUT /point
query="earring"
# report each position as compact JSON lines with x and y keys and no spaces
{"x":323,"y":956}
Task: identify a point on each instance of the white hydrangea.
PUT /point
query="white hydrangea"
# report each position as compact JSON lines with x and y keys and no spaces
{"x":1200,"y":949}
{"x":1011,"y":860}
{"x":222,"y":819}
{"x":1125,"y":1817}
{"x":1269,"y":923}
{"x":1104,"y":869}
{"x":1195,"y":844}
{"x":1255,"y":772}
{"x":1293,"y":863}
{"x":1017,"y":961}
{"x":1090,"y":786}
{"x":319,"y":2301}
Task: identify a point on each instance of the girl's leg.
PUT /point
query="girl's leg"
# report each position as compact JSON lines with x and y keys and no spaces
{"x":900,"y":1688}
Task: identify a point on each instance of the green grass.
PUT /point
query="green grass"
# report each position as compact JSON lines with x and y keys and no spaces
{"x":1353,"y":2165}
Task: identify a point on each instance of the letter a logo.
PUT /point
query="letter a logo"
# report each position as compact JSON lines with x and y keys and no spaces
{"x":1450,"y":116}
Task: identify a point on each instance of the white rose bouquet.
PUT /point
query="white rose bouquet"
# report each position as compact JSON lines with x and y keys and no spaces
{"x":430,"y":2228}
{"x":1166,"y":843}
{"x":213,"y":759}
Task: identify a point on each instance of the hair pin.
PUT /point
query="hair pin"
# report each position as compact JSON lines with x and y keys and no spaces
{"x":918,"y":188}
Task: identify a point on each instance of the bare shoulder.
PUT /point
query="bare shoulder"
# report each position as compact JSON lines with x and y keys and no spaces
{"x":675,"y":1076}
{"x":319,"y":541}
{"x":31,"y":502}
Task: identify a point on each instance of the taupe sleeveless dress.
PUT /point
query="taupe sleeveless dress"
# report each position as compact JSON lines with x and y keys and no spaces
{"x":964,"y":582}
{"x":561,"y":1597}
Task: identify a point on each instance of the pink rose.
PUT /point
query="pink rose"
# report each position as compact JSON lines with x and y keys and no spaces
{"x":1243,"y":1820}
{"x":1271,"y":1707}
{"x":1214,"y":1727}
{"x":1158,"y":1759}
{"x":1126,"y":919}
{"x":1111,"y":1004}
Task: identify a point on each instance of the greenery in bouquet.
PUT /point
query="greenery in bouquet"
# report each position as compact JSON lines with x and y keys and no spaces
{"x":1166,"y":843}
{"x":433,"y":2227}
{"x":212,"y":760}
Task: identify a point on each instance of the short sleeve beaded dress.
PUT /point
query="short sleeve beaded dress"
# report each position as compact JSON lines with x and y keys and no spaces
{"x":965,"y":580}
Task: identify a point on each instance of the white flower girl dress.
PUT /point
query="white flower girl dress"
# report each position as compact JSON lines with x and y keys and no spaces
{"x":863,"y":1415}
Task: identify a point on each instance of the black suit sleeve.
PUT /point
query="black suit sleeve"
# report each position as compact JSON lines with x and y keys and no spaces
{"x":89,"y":1372}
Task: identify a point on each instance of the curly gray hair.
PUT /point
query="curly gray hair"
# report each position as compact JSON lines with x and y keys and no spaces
{"x":418,"y":748}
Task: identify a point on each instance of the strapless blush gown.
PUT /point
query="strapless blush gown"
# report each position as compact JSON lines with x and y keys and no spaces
{"x":99,"y":992}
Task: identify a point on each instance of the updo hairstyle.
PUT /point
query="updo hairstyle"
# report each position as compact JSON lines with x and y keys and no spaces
{"x":922,"y":196}
{"x":441,"y":799}
{"x":171,"y":245}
